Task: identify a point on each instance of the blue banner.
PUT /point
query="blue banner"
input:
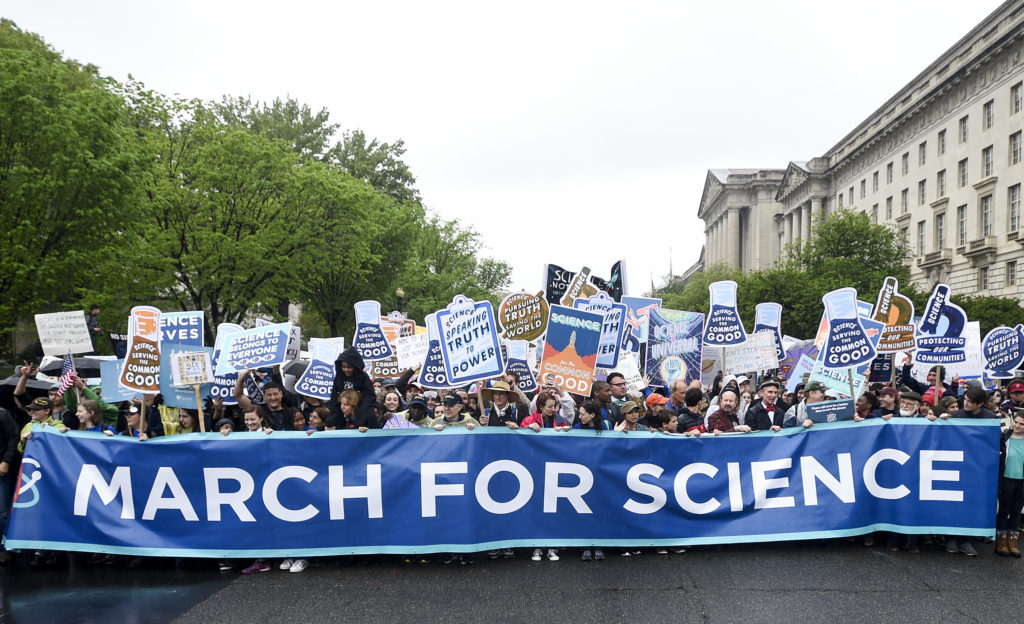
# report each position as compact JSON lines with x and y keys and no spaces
{"x":182,"y":328}
{"x":253,"y":348}
{"x":289,"y":494}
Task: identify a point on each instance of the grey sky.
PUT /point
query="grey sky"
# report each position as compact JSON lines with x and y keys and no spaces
{"x":575,"y":133}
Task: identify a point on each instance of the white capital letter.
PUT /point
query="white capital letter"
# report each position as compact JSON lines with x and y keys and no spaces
{"x":236,"y":500}
{"x":812,"y":471}
{"x":633,"y":482}
{"x":683,"y":497}
{"x":165,"y":478}
{"x":929,"y":475}
{"x":871,"y":466}
{"x":273,"y":504}
{"x":483,"y":480}
{"x":573,"y":493}
{"x":338,"y":491}
{"x":430,"y":489}
{"x":762,"y":485}
{"x":90,"y":479}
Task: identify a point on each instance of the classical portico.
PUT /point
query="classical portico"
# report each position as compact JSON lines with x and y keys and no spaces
{"x":737,"y":207}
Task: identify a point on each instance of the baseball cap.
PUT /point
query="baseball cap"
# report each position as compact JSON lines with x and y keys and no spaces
{"x":453,"y":399}
{"x":1017,"y":386}
{"x":656,"y":399}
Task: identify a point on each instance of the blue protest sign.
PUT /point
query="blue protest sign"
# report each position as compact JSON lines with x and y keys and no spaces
{"x":674,"y":348}
{"x":1003,"y":350}
{"x":724,"y":326}
{"x":518,"y":352}
{"x":318,"y":378}
{"x":110,"y":375}
{"x":637,"y":311}
{"x":433,"y":375}
{"x":182,"y":328}
{"x":403,"y":491}
{"x":469,"y":341}
{"x":370,"y":340}
{"x":179,"y":396}
{"x":611,"y":328}
{"x":570,"y":349}
{"x":830,"y":411}
{"x":223,"y":386}
{"x":796,"y":376}
{"x":940,"y":338}
{"x":254,"y":348}
{"x":881,"y":368}
{"x":847,"y":343}
{"x":838,"y":379}
{"x":768,"y":318}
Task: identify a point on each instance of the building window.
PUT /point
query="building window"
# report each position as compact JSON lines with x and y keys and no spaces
{"x":904,"y":201}
{"x":986,"y":215}
{"x":874,"y":182}
{"x":987,"y":117}
{"x":942,"y":142}
{"x":888,"y":173}
{"x":851,"y":196}
{"x":888,"y":208}
{"x":1013,"y":206}
{"x":940,"y":184}
{"x":874,"y":213}
{"x":983,"y":278}
{"x":963,"y":129}
{"x":1011,"y":273}
{"x":839,"y":200}
{"x":922,"y":192}
{"x":906,"y":163}
{"x":922,"y":153}
{"x":940,"y":230}
{"x":1015,"y":98}
{"x":986,"y":162}
{"x":961,"y":225}
{"x":905,"y":235}
{"x":962,"y":173}
{"x":920,"y":238}
{"x":863,"y":189}
{"x":1015,"y":148}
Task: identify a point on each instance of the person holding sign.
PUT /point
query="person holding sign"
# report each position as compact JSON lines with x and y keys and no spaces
{"x":814,"y":392}
{"x":273,"y":396}
{"x":453,"y":415}
{"x":546,"y":416}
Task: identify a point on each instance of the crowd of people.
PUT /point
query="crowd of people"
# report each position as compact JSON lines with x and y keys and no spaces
{"x":731,"y":405}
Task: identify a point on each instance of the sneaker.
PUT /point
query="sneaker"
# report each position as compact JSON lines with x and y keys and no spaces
{"x":552,"y":554}
{"x":286,"y":564}
{"x":493,"y":554}
{"x":298,"y":565}
{"x":256,"y":566}
{"x":224,"y":565}
{"x":536,"y":555}
{"x":508,"y":553}
{"x":586,"y":555}
{"x":466,"y":559}
{"x":967,"y":549}
{"x":626,"y":553}
{"x":661,"y":551}
{"x":951,"y":546}
{"x":598,"y":555}
{"x":450,"y":558}
{"x":678,"y":550}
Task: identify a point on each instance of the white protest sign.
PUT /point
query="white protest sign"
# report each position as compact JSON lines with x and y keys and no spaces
{"x":469,"y":341}
{"x":629,"y":368}
{"x":758,"y":353}
{"x":973,"y":362}
{"x":803,"y":367}
{"x":191,"y":368}
{"x":254,"y":348}
{"x":318,"y":378}
{"x":338,"y":343}
{"x":710,"y":365}
{"x":411,"y":350}
{"x":62,"y":333}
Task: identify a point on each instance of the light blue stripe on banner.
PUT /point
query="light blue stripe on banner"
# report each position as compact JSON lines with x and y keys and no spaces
{"x":273,"y":553}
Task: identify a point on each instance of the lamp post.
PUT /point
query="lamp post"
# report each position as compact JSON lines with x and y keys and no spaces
{"x":400,"y":295}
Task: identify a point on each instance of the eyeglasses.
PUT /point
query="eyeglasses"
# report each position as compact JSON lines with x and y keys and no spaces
{"x":621,"y":383}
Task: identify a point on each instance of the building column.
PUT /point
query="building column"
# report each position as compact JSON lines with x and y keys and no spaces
{"x":714,"y":244}
{"x":788,"y":238}
{"x":735,"y":239}
{"x":807,"y":222}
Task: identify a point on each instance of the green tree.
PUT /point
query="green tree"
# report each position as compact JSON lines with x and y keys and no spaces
{"x":69,"y":176}
{"x":990,"y":312}
{"x":308,"y":133}
{"x":378,"y":164}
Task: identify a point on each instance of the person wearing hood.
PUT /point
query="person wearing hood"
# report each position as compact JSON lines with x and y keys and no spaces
{"x":349,"y":374}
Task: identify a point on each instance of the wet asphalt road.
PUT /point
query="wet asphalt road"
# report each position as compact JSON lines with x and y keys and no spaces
{"x":780,"y":582}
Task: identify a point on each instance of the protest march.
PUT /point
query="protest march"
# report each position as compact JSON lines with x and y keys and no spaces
{"x":578,"y":421}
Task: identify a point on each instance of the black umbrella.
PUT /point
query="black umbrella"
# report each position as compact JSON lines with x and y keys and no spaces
{"x":34,"y":387}
{"x":85,"y":366}
{"x":295,"y":367}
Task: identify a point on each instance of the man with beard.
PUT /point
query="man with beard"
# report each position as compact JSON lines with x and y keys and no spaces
{"x":770,"y":412}
{"x":724,"y":420}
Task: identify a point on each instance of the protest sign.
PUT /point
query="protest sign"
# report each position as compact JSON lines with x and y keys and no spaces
{"x":433,"y":374}
{"x":629,"y":368}
{"x":402,"y":492}
{"x":522,"y":316}
{"x":254,"y":348}
{"x":847,"y":344}
{"x":110,"y":380}
{"x":940,"y":337}
{"x":61,"y":333}
{"x":673,"y":346}
{"x":118,"y":342}
{"x":142,"y":361}
{"x":294,"y":349}
{"x":557,"y":282}
{"x":338,"y":343}
{"x":612,"y":326}
{"x":793,"y":355}
{"x":570,"y":348}
{"x":1003,"y":350}
{"x":578,"y":287}
{"x":395,"y":325}
{"x":318,"y":378}
{"x":191,"y":368}
{"x":804,"y":366}
{"x":410,"y":351}
{"x":183,"y":395}
{"x":182,"y":328}
{"x":710,"y":365}
{"x":387,"y":368}
{"x":369,"y":339}
{"x":637,"y":310}
{"x":518,"y":362}
{"x":724,"y":326}
{"x":840,"y":379}
{"x":469,"y":341}
{"x":223,"y":385}
{"x":897,"y":312}
{"x":830,"y":411}
{"x":758,"y":353}
{"x":768,"y":318}
{"x":881,"y":370}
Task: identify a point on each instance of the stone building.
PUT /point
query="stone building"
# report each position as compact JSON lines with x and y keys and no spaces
{"x":941,"y":161}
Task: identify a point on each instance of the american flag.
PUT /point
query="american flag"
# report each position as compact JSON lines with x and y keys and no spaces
{"x":67,"y":375}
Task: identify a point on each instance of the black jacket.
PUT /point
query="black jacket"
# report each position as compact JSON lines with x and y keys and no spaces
{"x":757,"y":417}
{"x":9,"y":436}
{"x":365,"y":415}
{"x":689,"y":420}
